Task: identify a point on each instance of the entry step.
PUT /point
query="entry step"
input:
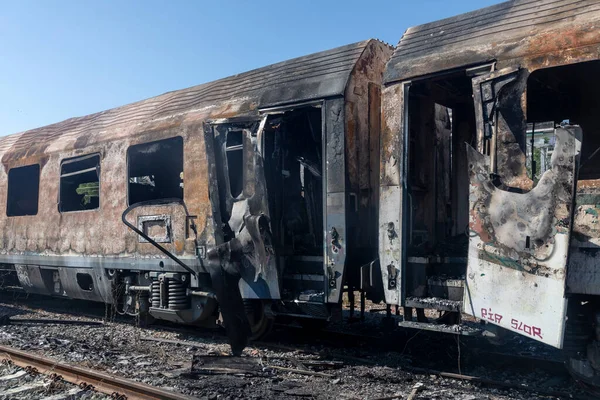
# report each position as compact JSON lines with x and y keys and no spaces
{"x":437,"y":260}
{"x":461,"y":329}
{"x":435,"y":303}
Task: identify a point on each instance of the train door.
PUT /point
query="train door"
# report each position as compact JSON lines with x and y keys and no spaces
{"x":519,"y":228}
{"x":424,"y":208}
{"x":241,"y":207}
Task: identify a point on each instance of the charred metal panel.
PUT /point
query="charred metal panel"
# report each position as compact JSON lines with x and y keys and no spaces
{"x":335,"y":207}
{"x":76,"y":286}
{"x":260,"y":276}
{"x":519,"y":244}
{"x":392,"y":191}
{"x":501,"y":123}
{"x":247,"y":245}
{"x":503,"y":32}
{"x":30,"y":278}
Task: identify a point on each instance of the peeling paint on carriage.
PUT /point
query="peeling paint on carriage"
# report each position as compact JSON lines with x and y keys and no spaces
{"x":111,"y":132}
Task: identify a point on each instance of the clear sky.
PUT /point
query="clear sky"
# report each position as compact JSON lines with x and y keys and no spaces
{"x":68,"y":58}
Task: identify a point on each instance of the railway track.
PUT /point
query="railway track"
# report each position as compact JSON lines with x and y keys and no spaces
{"x":84,"y":378}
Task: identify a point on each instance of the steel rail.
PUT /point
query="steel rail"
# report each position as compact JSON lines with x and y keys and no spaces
{"x":119,"y":388}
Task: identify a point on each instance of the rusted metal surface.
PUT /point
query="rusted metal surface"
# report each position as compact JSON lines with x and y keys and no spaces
{"x":392,"y":191}
{"x":519,"y":244}
{"x":101,"y":382}
{"x":506,"y":33}
{"x":501,"y":120}
{"x":336,"y":239}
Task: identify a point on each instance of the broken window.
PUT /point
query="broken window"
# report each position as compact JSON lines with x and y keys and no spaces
{"x":80,"y":184}
{"x":235,"y":161}
{"x":568,"y":95}
{"x":155,"y":170}
{"x":23,"y":191}
{"x":540,"y":145}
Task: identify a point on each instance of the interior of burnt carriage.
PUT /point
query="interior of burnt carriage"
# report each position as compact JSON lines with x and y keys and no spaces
{"x":441,"y":121}
{"x":293,"y":172}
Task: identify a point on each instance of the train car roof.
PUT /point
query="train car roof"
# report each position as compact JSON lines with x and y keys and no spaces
{"x":504,"y":31}
{"x":315,"y":76}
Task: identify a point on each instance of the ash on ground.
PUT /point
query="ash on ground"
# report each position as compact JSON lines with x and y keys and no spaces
{"x":368,"y":362}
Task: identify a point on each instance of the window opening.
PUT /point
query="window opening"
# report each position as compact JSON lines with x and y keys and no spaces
{"x":567,"y":95}
{"x":80,"y":184}
{"x":540,"y":145}
{"x":234,"y":149}
{"x":155,"y":170}
{"x":23,"y":191}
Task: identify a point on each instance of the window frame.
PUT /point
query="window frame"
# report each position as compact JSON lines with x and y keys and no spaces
{"x":99,"y":171}
{"x":238,"y":147}
{"x":128,"y":162}
{"x":39,"y":181}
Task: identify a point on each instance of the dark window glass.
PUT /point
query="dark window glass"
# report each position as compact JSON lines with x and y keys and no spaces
{"x":23,"y":191}
{"x":235,"y":162}
{"x":155,"y":170}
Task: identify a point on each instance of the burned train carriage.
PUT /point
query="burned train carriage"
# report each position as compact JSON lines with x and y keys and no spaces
{"x":490,"y":173}
{"x":266,"y":181}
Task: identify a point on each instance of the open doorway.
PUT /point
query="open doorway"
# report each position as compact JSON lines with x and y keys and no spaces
{"x":441,"y":123}
{"x":294,"y":177}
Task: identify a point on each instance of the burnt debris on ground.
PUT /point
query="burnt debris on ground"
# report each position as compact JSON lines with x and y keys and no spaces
{"x":345,"y":361}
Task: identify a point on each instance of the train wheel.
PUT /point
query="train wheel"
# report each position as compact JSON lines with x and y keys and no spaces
{"x":260,"y":324}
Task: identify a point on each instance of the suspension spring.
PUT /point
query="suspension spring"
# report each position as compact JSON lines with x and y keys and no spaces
{"x":177,"y":296}
{"x":155,"y":294}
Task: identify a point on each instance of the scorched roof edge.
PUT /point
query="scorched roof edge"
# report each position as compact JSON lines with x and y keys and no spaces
{"x":318,"y":75}
{"x":501,"y":31}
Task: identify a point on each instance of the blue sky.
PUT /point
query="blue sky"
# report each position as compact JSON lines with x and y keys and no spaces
{"x":64,"y":58}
